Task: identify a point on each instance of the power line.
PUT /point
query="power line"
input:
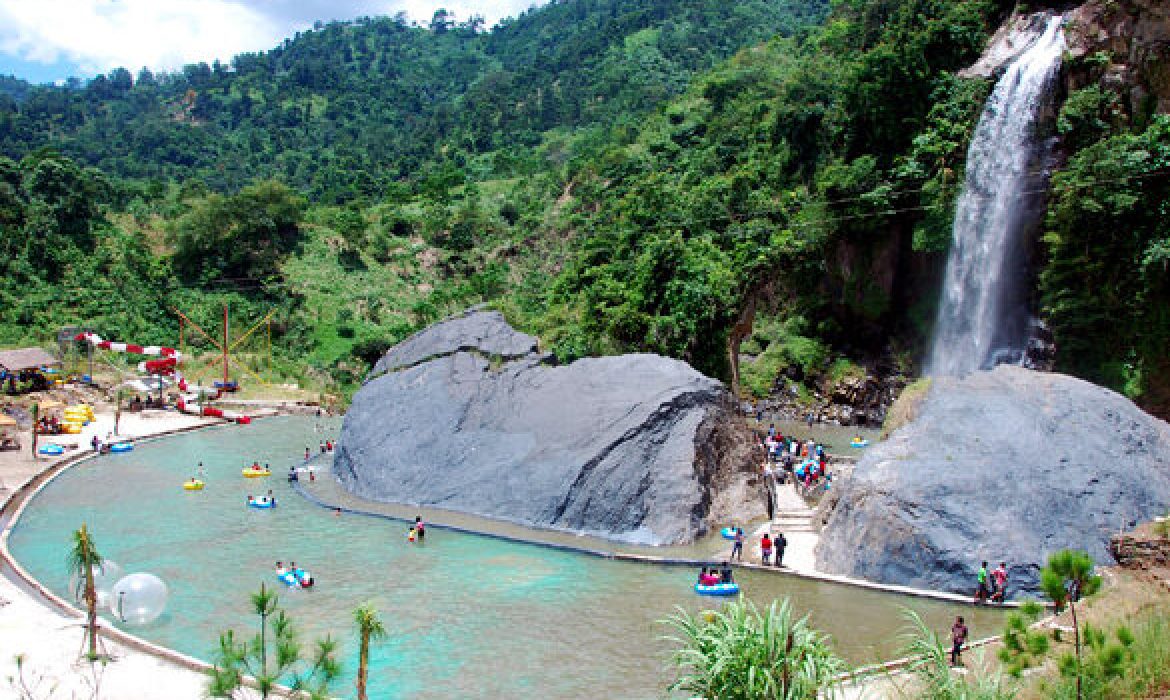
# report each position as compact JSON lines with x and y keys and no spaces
{"x":242,"y":284}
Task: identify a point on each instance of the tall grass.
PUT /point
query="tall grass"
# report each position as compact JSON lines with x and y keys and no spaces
{"x":1133,"y":662}
{"x":932,"y":675}
{"x":739,"y":653}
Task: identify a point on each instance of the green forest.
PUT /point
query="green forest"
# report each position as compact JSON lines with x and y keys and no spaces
{"x":614,"y":175}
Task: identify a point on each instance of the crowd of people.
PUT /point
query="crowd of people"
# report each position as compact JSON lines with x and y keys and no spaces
{"x":789,"y":457}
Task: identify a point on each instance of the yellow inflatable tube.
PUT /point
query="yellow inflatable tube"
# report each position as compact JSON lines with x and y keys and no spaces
{"x":253,"y":473}
{"x":193,"y":485}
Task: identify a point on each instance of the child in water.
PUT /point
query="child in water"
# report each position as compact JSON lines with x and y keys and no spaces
{"x":419,"y":528}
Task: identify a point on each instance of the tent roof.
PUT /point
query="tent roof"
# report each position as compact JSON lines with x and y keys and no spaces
{"x":25,"y":358}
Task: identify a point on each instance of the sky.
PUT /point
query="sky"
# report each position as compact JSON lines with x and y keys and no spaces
{"x":49,"y":40}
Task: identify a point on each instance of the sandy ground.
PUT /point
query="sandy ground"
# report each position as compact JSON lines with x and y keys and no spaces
{"x":51,"y":643}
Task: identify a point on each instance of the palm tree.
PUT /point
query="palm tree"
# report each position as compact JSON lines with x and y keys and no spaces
{"x":264,"y":604}
{"x":369,"y":627}
{"x":740,"y":654}
{"x":82,"y":560}
{"x":1068,"y":576}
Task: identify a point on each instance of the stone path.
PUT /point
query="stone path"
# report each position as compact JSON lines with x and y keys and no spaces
{"x":794,"y":519}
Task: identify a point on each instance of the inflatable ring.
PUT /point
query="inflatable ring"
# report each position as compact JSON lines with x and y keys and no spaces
{"x":297,"y":579}
{"x":728,"y":533}
{"x":251,"y":473}
{"x":262,"y":504}
{"x":719,"y":589}
{"x":51,"y":450}
{"x":121,"y":447}
{"x":193,"y":485}
{"x":859,"y":443}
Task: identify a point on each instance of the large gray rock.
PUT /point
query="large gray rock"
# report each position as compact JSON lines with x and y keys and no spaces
{"x":1008,"y":465}
{"x":467,"y":415}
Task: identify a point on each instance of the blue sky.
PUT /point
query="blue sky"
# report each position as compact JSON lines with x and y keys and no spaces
{"x":49,"y":40}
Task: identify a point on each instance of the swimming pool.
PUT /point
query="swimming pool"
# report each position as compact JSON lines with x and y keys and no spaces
{"x":466,"y":615}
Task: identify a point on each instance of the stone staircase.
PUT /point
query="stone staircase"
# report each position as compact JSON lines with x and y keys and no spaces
{"x":790,"y":520}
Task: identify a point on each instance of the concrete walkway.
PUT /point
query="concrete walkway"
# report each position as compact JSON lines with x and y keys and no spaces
{"x":794,"y":519}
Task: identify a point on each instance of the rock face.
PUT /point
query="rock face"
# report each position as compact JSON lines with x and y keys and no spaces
{"x":1008,"y":464}
{"x":467,"y":415}
{"x":1134,"y":37}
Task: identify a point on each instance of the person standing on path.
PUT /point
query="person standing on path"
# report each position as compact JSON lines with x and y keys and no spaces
{"x":765,"y":549}
{"x":981,"y":592}
{"x":958,"y":639}
{"x":999,"y":579}
{"x":737,"y":548}
{"x":781,"y":542}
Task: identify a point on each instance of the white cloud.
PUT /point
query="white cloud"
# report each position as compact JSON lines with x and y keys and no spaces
{"x":99,"y":35}
{"x":102,"y":34}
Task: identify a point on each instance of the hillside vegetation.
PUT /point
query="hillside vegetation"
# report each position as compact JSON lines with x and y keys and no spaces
{"x":614,"y":175}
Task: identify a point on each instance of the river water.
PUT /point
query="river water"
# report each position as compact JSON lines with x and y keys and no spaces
{"x":467,"y":615}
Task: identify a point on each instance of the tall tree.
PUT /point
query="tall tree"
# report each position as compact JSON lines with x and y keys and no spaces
{"x":287,"y":661}
{"x":83,"y":559}
{"x":1065,"y":579}
{"x":369,"y":627}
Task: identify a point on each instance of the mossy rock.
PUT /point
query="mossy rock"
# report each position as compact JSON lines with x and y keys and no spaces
{"x":905,"y":408}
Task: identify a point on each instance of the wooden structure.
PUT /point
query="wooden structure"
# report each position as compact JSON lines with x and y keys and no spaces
{"x":26,"y":359}
{"x":9,"y":433}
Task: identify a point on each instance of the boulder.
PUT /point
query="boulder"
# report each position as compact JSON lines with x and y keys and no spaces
{"x":468,"y":415}
{"x":1008,"y":464}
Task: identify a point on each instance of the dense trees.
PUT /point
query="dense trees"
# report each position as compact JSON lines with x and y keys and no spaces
{"x":1106,"y":285}
{"x":615,"y":175}
{"x":343,"y":111}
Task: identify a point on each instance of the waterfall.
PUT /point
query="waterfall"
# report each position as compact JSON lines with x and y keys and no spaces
{"x":983,"y":316}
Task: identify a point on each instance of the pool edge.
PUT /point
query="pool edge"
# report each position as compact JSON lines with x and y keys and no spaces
{"x":17,"y":500}
{"x":13,"y":507}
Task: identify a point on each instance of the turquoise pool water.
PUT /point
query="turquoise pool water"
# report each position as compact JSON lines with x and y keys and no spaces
{"x":467,"y":616}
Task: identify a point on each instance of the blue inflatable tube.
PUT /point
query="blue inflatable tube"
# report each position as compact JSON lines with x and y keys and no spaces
{"x":121,"y":447}
{"x":51,"y":450}
{"x":728,"y":533}
{"x":719,"y":589}
{"x":859,"y":443}
{"x":293,"y":580}
{"x":261,"y":504}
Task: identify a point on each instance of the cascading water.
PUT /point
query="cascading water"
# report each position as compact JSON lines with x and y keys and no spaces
{"x":983,"y":316}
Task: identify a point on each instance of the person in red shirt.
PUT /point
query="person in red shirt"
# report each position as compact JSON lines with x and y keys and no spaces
{"x":765,"y":548}
{"x":958,"y":639}
{"x":999,"y":578}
